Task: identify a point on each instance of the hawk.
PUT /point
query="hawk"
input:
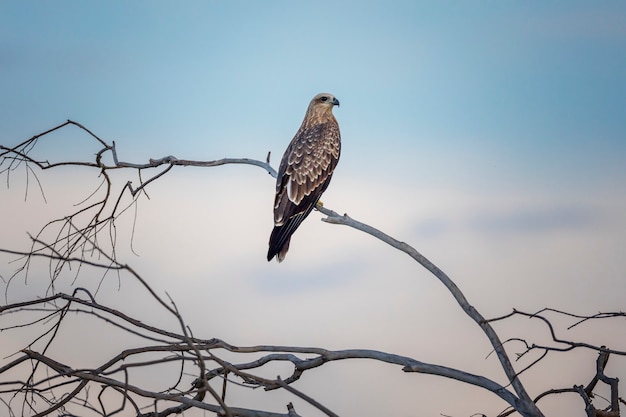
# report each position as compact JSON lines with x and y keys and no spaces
{"x":305,"y":171}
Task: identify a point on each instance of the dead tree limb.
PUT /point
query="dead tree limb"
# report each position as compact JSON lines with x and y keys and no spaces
{"x":76,"y":240}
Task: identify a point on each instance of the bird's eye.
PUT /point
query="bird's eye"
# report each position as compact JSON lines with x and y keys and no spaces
{"x":324,"y":98}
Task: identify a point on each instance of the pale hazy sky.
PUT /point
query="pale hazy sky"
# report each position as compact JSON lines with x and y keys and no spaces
{"x":489,"y":135}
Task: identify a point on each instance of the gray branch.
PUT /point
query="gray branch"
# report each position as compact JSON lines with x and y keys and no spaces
{"x":75,"y":235}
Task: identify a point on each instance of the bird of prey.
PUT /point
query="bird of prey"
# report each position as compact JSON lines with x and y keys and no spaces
{"x":305,"y":171}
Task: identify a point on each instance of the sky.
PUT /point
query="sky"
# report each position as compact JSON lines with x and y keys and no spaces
{"x":490,"y":136}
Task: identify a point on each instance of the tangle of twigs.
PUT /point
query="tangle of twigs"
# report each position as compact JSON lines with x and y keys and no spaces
{"x":86,"y":238}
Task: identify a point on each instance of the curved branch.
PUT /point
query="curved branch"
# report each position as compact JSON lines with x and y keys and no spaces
{"x":526,"y":406}
{"x":74,"y":236}
{"x":569,"y":344}
{"x":77,"y":234}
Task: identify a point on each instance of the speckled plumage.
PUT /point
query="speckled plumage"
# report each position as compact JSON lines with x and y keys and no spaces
{"x":305,"y":171}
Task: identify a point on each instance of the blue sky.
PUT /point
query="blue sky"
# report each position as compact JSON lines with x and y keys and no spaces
{"x":538,"y":88}
{"x":490,"y":135}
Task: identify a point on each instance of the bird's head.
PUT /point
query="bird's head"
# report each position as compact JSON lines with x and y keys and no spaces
{"x":325,"y":100}
{"x":320,"y":109}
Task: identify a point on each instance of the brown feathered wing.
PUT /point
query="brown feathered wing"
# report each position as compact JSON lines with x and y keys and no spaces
{"x":304,"y":174}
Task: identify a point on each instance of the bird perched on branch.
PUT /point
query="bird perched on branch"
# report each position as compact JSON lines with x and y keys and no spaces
{"x":305,"y":171}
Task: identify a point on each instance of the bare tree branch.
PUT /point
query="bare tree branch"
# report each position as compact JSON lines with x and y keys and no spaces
{"x":526,"y":405}
{"x":77,"y":243}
